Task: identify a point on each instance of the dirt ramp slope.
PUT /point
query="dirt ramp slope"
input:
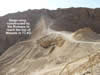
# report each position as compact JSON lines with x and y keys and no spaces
{"x":48,"y":55}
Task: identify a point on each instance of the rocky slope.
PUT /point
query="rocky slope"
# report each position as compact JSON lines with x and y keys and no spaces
{"x":86,"y":34}
{"x":68,"y":19}
{"x":53,"y":53}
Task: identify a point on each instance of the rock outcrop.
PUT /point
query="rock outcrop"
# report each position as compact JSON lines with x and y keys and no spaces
{"x":51,"y":39}
{"x":86,"y":34}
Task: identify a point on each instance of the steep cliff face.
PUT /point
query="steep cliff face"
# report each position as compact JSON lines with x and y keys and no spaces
{"x":69,"y":19}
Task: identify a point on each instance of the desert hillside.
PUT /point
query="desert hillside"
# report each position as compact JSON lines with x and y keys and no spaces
{"x":52,"y":52}
{"x":68,"y":19}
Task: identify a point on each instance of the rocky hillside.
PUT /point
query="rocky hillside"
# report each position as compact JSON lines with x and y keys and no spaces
{"x":53,"y":53}
{"x":86,"y":34}
{"x":68,"y":19}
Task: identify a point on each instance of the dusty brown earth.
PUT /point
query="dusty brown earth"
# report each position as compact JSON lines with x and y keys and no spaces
{"x":67,"y":19}
{"x":50,"y":52}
